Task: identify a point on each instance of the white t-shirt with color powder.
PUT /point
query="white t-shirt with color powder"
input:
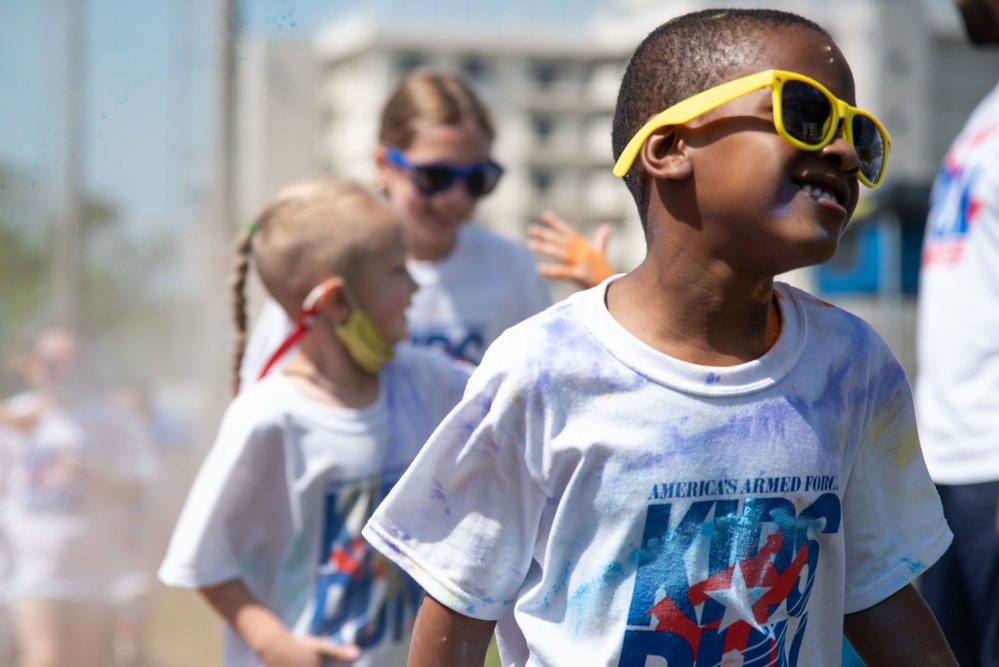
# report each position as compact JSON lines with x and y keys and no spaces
{"x":281,"y":498}
{"x":610,"y":505}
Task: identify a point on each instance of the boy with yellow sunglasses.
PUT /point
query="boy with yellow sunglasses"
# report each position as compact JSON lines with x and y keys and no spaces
{"x":691,"y":464}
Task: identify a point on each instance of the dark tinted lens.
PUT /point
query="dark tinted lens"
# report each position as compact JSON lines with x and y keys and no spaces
{"x":431,"y":180}
{"x":484,"y":181}
{"x":806,"y":112}
{"x":870,"y":147}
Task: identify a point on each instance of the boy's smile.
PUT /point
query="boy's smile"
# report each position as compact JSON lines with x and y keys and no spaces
{"x":765,"y":204}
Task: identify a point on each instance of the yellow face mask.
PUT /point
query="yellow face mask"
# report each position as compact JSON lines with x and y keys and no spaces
{"x":363,"y":342}
{"x":365,"y":345}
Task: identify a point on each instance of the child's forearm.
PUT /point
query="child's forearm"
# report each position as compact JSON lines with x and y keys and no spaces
{"x":444,"y":638}
{"x":264,"y":632}
{"x":254,"y":622}
{"x":900,"y":630}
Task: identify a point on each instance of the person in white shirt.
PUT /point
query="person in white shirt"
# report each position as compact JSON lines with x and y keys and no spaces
{"x":691,"y":463}
{"x":74,"y":471}
{"x":270,"y":532}
{"x":957,"y":386}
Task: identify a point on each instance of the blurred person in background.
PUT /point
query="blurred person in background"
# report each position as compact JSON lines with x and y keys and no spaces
{"x":75,"y":468}
{"x":957,"y":386}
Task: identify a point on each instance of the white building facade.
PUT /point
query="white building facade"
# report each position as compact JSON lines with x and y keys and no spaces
{"x":552,"y":92}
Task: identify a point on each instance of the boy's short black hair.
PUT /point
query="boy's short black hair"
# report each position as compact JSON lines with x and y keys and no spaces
{"x":681,"y":58}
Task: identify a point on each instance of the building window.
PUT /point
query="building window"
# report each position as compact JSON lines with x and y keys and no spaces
{"x":545,"y":73}
{"x":410,"y":61}
{"x":542,"y":127}
{"x":542,"y":181}
{"x":476,"y":68}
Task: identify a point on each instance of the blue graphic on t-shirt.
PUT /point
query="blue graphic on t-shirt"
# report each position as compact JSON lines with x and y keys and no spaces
{"x":360,"y":596}
{"x":952,"y":204}
{"x":728,"y":576}
{"x":469,"y":345}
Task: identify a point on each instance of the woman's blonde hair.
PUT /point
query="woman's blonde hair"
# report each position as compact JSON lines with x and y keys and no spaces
{"x":425,"y":97}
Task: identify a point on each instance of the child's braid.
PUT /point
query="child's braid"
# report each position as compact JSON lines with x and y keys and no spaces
{"x":237,"y":281}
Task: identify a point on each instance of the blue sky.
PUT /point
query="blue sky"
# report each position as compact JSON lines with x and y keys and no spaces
{"x":150,"y":68}
{"x":149,"y":71}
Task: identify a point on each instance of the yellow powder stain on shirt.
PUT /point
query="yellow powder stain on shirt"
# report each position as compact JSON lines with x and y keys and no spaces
{"x":906,"y":445}
{"x":907,"y":449}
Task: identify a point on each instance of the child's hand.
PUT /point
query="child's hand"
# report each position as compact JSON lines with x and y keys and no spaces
{"x":308,"y":651}
{"x":267,"y":635}
{"x":576,"y":258}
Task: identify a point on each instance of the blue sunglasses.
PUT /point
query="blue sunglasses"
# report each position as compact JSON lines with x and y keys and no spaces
{"x":480,"y":178}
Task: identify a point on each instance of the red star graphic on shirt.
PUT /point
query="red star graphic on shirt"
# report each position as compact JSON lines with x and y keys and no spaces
{"x":747,"y":590}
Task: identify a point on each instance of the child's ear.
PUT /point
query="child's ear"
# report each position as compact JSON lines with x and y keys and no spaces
{"x":664,"y":155}
{"x":332,"y":299}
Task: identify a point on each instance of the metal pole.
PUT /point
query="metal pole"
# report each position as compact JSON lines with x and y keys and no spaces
{"x":67,"y":250}
{"x":216,"y":344}
{"x":229,"y":16}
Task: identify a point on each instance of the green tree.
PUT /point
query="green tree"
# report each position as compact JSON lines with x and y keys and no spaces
{"x":125,"y":295}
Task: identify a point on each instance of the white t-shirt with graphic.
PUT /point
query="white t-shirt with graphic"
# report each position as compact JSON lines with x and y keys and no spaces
{"x":957,"y":386}
{"x":464,"y":302}
{"x":610,"y":505}
{"x":281,"y":498}
{"x":72,"y":498}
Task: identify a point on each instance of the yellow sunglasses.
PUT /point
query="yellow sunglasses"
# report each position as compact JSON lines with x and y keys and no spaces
{"x":809,"y":119}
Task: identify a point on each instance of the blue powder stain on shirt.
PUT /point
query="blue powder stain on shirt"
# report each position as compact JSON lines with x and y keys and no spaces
{"x":437,"y":493}
{"x":564,"y":338}
{"x":915,"y":566}
{"x":613,"y":572}
{"x":587,"y":599}
{"x":483,"y":403}
{"x":559,"y":585}
{"x":543,"y":381}
{"x":562,"y":332}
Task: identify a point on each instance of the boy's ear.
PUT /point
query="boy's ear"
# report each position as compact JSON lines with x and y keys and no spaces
{"x":664,"y":155}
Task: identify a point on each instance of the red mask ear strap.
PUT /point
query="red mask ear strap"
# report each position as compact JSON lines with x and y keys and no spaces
{"x":309,"y":309}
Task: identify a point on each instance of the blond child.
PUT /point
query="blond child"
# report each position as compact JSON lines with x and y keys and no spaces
{"x":270,"y":533}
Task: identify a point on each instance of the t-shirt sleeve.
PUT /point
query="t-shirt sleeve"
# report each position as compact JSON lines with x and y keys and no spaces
{"x":463,"y":520}
{"x":893,"y":519}
{"x":237,"y":512}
